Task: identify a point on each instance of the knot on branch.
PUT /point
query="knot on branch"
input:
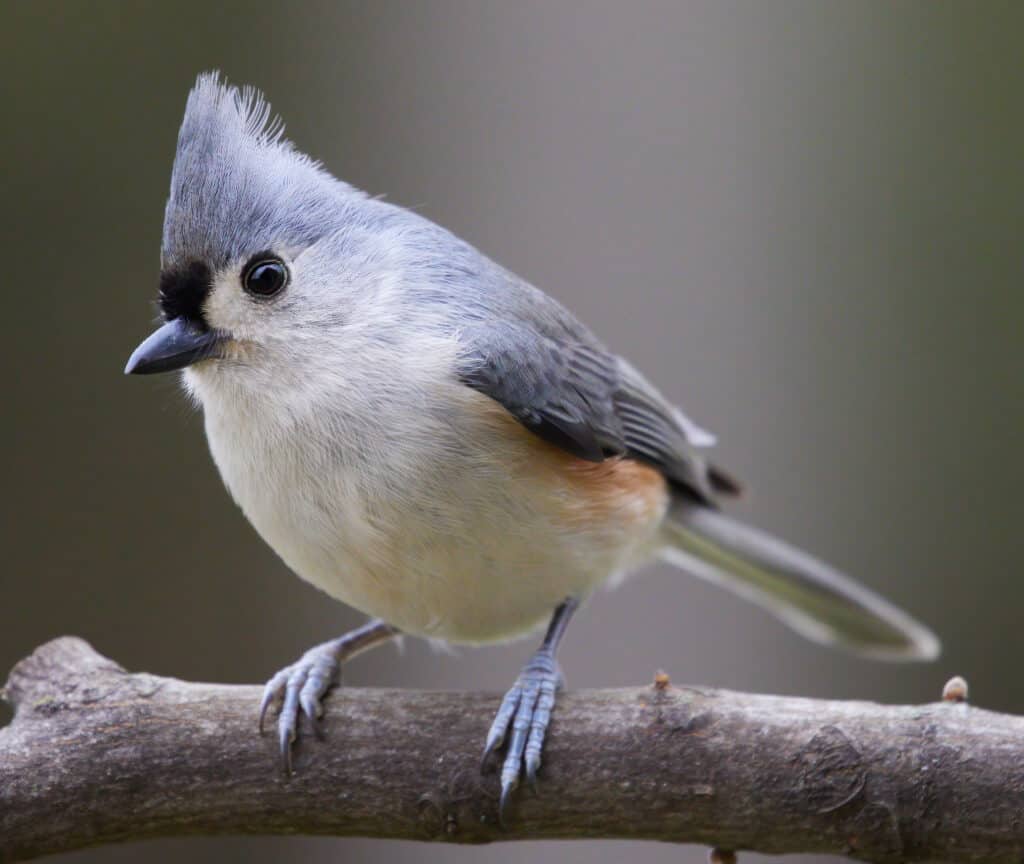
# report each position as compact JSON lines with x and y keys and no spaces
{"x":60,"y":675}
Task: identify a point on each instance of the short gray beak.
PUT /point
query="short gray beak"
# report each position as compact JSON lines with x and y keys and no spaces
{"x":174,"y":346}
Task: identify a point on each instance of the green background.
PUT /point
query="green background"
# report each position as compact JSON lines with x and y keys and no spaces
{"x":801,"y":220}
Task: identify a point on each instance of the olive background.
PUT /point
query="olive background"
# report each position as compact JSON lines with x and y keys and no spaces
{"x":800,"y":219}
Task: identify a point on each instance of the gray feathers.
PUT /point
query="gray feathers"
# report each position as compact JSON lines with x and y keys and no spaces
{"x":813,"y":598}
{"x":575,"y":394}
{"x":237,"y":185}
{"x":560,"y":390}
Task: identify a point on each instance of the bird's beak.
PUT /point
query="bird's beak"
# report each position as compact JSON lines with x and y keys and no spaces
{"x":174,"y":346}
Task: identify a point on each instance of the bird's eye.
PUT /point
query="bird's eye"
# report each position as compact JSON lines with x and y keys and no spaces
{"x":265,"y":277}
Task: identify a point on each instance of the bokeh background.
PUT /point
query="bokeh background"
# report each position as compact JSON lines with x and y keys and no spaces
{"x":801,"y":219}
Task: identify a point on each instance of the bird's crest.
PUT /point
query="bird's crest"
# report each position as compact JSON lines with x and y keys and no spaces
{"x":238,"y":184}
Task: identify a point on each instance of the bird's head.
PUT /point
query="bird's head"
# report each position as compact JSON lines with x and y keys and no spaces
{"x":244,"y":279}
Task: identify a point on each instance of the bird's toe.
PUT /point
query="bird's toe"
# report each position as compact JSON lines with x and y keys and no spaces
{"x":523,"y":719}
{"x":300,"y":689}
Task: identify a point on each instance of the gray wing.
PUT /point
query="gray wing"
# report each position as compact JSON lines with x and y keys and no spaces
{"x":573,"y":393}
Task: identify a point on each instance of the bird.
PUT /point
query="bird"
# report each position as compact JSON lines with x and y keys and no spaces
{"x":432,"y":440}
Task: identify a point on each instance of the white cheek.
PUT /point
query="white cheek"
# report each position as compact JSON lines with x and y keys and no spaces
{"x":227,"y":308}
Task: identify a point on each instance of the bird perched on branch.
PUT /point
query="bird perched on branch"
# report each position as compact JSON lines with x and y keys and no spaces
{"x":427,"y":437}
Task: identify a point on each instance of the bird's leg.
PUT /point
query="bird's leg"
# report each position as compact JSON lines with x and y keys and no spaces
{"x":526,"y":708}
{"x":300,"y":687}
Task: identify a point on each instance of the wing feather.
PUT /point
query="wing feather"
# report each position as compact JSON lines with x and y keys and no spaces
{"x":578,"y":396}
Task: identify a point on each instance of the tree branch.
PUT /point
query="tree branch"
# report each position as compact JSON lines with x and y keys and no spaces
{"x":96,"y":755}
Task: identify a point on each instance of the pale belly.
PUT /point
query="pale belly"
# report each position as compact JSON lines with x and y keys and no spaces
{"x":465,"y":542}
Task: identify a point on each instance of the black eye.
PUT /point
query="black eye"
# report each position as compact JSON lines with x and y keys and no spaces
{"x":265,"y":277}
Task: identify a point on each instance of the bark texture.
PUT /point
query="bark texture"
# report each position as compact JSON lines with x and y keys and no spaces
{"x":97,"y":755}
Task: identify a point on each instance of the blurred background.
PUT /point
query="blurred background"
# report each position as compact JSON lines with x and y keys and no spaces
{"x":800,"y":219}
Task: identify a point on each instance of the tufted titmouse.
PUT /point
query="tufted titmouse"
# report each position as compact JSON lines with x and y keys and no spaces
{"x":430,"y":439}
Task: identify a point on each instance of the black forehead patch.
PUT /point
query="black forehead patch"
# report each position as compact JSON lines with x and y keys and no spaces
{"x":183,"y":290}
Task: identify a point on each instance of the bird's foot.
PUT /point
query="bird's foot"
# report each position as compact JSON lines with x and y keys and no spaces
{"x":299,"y":689}
{"x":526,"y":709}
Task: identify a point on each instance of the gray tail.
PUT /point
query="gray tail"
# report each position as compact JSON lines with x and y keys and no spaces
{"x":813,"y":598}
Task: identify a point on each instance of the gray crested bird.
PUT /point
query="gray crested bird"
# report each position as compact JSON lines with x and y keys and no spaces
{"x":430,"y":439}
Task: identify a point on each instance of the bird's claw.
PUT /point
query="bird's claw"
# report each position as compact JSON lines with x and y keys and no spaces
{"x":299,"y":689}
{"x":526,"y":710}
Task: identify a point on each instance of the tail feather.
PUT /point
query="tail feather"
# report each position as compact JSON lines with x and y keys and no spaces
{"x":809,"y":595}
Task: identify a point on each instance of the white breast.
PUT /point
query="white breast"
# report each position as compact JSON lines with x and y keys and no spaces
{"x":415,"y":499}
